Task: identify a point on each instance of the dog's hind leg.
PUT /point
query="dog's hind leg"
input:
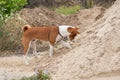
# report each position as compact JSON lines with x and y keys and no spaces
{"x":33,"y":45}
{"x":26,"y":44}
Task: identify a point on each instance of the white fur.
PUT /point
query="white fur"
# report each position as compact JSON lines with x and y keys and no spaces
{"x":33,"y":45}
{"x":66,"y":44}
{"x":63,"y":31}
{"x":51,"y":50}
{"x":25,"y":57}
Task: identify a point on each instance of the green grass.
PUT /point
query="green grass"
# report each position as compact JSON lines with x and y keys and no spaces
{"x":34,"y":77}
{"x":67,"y":10}
{"x":39,"y":76}
{"x":90,"y":4}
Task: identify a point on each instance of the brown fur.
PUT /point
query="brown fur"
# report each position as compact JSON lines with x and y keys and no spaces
{"x":73,"y":31}
{"x":42,"y":33}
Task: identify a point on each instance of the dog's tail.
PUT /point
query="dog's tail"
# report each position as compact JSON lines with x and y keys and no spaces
{"x":26,"y":27}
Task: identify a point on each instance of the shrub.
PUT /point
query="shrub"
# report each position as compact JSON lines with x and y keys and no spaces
{"x":39,"y":76}
{"x":10,"y":33}
{"x":1,"y":28}
{"x":67,"y":10}
{"x":9,"y":26}
{"x":8,"y":7}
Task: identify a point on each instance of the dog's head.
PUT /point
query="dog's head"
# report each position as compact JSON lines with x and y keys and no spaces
{"x":73,"y":32}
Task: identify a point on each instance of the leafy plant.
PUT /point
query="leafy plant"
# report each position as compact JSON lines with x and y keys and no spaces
{"x":8,"y":7}
{"x":39,"y":76}
{"x":67,"y":10}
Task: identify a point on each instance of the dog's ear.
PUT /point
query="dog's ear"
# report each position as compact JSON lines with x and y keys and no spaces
{"x":70,"y":29}
{"x":73,"y":30}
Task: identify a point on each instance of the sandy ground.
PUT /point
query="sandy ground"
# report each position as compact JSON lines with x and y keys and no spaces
{"x":14,"y":68}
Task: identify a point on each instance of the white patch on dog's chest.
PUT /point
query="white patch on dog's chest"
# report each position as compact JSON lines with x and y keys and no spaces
{"x":63,"y":31}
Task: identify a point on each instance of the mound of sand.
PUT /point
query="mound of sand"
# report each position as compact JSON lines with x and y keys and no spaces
{"x":97,"y":50}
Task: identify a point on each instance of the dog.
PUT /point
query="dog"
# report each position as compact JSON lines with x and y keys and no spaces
{"x":51,"y":34}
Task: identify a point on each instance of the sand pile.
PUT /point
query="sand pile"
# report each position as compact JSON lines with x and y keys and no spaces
{"x":97,"y":50}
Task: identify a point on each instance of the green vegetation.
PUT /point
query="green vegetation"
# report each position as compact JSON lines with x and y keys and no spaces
{"x":10,"y":33}
{"x":68,"y":10}
{"x":92,"y":3}
{"x":84,"y":4}
{"x":8,"y":26}
{"x":34,"y":77}
{"x":39,"y":76}
{"x":8,"y":7}
{"x":1,"y":28}
{"x":88,"y":4}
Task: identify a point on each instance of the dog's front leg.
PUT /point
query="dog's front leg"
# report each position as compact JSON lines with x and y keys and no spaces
{"x":66,"y":44}
{"x":51,"y":50}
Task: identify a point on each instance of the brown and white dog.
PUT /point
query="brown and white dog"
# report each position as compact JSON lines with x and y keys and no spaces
{"x":51,"y":34}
